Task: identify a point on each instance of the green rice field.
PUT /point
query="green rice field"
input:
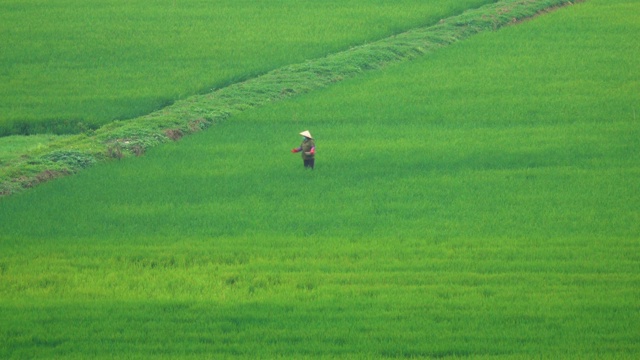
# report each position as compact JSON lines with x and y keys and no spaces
{"x":70,"y":65}
{"x":479,"y":202}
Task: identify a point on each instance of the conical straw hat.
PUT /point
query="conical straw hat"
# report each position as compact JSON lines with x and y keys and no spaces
{"x":306,"y":133}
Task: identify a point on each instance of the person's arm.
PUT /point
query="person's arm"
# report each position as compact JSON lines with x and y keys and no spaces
{"x":297,"y":149}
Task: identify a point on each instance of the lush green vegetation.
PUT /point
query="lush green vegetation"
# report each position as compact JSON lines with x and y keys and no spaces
{"x":69,"y":65}
{"x":15,"y":146}
{"x":480,"y":202}
{"x":195,"y":113}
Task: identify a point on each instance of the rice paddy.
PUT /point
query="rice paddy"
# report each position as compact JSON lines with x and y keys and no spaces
{"x":480,"y":202}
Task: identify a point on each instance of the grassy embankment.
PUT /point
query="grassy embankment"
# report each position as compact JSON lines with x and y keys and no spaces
{"x":481,"y":202}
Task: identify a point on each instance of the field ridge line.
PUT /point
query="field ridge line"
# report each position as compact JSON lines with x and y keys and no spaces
{"x":132,"y":137}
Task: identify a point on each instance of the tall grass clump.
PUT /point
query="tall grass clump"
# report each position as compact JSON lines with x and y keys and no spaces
{"x":72,"y":65}
{"x":478,"y":203}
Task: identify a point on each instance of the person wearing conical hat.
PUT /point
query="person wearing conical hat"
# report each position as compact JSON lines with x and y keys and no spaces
{"x":308,"y":149}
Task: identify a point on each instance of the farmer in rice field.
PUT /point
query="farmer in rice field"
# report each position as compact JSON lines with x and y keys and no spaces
{"x":308,"y":148}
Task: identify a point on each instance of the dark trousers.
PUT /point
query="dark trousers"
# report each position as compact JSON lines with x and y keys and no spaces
{"x":309,"y":163}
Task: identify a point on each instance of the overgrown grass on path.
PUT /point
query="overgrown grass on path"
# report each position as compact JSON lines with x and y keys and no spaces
{"x":195,"y":113}
{"x":480,"y":203}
